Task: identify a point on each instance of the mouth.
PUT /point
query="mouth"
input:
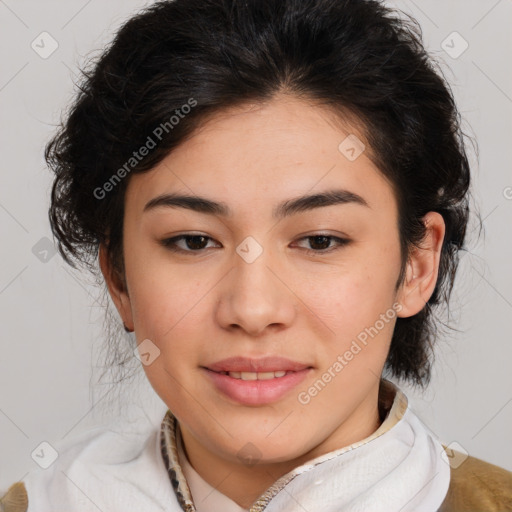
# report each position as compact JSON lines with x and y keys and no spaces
{"x":255,"y":375}
{"x":256,"y":388}
{"x":252,"y":368}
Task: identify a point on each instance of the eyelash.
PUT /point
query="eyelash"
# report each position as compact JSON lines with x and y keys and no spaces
{"x":170,"y":243}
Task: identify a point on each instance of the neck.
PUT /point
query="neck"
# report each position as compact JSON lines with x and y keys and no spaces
{"x":244,"y":484}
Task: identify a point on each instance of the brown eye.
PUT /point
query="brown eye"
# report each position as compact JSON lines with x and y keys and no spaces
{"x":192,"y":243}
{"x":321,"y":244}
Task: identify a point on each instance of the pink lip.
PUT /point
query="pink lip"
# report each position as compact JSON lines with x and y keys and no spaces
{"x":264,"y":364}
{"x":256,"y":392}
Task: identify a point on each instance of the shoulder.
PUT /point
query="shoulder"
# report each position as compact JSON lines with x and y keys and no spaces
{"x":109,"y":469}
{"x":15,"y":499}
{"x":477,"y":485}
{"x":58,"y":458}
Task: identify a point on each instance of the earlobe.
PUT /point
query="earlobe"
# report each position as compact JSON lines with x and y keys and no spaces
{"x":422,"y":268}
{"x":116,"y":288}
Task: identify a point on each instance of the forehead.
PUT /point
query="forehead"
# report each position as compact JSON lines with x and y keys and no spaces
{"x":255,"y":156}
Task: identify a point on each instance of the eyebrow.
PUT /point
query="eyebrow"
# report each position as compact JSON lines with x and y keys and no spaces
{"x":284,"y":209}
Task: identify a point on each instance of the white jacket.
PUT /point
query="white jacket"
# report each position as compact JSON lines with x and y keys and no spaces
{"x":400,"y":467}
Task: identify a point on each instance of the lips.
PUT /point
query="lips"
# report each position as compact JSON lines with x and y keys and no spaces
{"x":256,"y":366}
{"x":255,"y":392}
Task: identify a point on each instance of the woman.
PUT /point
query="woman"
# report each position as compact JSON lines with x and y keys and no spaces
{"x":276,"y":193}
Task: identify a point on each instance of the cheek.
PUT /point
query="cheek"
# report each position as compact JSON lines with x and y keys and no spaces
{"x":169,"y":312}
{"x":164,"y":313}
{"x":355,"y":303}
{"x":164,"y":297}
{"x":350,"y":300}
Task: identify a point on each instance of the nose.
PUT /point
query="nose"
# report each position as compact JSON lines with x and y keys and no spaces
{"x":255,"y":296}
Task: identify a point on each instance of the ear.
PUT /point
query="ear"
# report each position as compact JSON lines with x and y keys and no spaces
{"x":422,"y":268}
{"x":116,"y":288}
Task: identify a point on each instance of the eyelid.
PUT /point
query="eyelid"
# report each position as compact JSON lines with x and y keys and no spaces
{"x":170,"y":243}
{"x":340,"y":242}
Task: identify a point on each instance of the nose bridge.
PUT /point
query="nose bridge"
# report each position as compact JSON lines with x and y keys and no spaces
{"x":252,"y":278}
{"x":254,"y":297}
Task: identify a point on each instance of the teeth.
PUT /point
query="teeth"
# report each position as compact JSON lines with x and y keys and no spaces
{"x":256,"y":376}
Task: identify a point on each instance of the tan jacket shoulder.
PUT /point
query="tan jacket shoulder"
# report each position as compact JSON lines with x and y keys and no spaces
{"x":15,"y":499}
{"x":477,"y":485}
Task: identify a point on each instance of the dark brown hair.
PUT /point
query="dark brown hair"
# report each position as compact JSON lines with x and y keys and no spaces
{"x":354,"y":56}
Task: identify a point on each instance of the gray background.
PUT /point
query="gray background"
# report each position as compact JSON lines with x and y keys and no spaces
{"x":52,"y":317}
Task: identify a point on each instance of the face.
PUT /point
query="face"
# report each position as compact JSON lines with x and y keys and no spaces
{"x":262,"y":276}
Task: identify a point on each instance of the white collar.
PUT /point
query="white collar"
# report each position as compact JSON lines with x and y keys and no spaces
{"x":400,"y":467}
